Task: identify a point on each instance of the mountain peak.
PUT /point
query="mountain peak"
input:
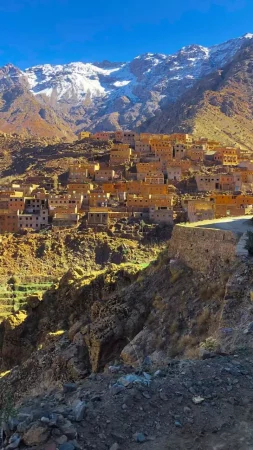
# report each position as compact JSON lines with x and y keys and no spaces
{"x":150,"y":56}
{"x":89,"y":94}
{"x":192,"y":47}
{"x":248,"y":36}
{"x":10,"y":71}
{"x":10,"y":67}
{"x":105,"y":64}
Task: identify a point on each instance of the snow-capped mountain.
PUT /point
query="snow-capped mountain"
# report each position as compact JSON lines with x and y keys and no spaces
{"x":104,"y":95}
{"x":218,"y":106}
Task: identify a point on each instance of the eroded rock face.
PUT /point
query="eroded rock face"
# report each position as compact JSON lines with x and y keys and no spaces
{"x":15,"y":345}
{"x":98,"y":312}
{"x":34,"y":300}
{"x":155,"y":314}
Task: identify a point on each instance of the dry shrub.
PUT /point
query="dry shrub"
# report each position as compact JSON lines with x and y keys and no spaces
{"x":206,"y":292}
{"x":203,"y":318}
{"x":174,"y":339}
{"x":184,"y":342}
{"x":192,"y":353}
{"x":212,"y":291}
{"x":209,"y":344}
{"x":173,"y":352}
{"x":225,"y":277}
{"x":175,"y":276}
{"x":174,"y":327}
{"x":159,"y":303}
{"x":141,"y":279}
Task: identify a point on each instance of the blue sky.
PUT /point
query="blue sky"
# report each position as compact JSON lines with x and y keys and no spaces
{"x":60,"y":31}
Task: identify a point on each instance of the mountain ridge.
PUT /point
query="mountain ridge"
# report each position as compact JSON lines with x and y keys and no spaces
{"x":20,"y":112}
{"x":124,"y":95}
{"x":116,"y":95}
{"x":219,"y":105}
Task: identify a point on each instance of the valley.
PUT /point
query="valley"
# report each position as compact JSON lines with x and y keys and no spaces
{"x":126,"y":246}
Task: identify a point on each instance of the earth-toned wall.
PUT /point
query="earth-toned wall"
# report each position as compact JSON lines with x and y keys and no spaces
{"x":202,"y":248}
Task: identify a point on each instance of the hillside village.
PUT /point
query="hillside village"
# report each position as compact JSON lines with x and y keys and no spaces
{"x":150,"y":178}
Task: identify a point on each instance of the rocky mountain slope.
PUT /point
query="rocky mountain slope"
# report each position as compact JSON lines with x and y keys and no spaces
{"x":100,"y":372}
{"x":30,"y":155}
{"x":21,"y":113}
{"x":218,"y":106}
{"x":50,"y":254}
{"x":157,"y":311}
{"x":105,"y":95}
{"x":194,"y":405}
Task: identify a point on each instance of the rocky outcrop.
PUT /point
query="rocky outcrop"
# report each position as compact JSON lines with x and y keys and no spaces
{"x":172,"y":308}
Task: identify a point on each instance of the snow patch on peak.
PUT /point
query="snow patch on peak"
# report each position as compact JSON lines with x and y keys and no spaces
{"x":103,"y":82}
{"x":193,"y":48}
{"x":248,"y":36}
{"x":121,"y":83}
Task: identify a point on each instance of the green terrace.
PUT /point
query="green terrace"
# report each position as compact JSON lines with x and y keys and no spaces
{"x":13,"y":301}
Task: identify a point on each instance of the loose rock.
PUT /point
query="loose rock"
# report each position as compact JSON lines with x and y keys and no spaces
{"x":115,"y":446}
{"x":139,"y":437}
{"x":80,"y":411}
{"x":69,"y":387}
{"x":67,"y":446}
{"x":197,"y":400}
{"x":36,"y":435}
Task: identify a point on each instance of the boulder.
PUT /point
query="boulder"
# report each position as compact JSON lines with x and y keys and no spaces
{"x":67,"y":446}
{"x":14,"y":441}
{"x":68,"y":429}
{"x":80,"y":410}
{"x":74,"y":329}
{"x":36,"y":435}
{"x":69,"y":387}
{"x":249,"y":329}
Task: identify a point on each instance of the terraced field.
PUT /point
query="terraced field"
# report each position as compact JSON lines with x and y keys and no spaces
{"x":14,"y":300}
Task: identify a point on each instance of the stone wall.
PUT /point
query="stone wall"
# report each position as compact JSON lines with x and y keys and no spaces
{"x":202,"y":249}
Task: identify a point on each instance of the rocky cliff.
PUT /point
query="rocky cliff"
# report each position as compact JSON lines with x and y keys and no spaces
{"x":165,"y":310}
{"x":128,"y":324}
